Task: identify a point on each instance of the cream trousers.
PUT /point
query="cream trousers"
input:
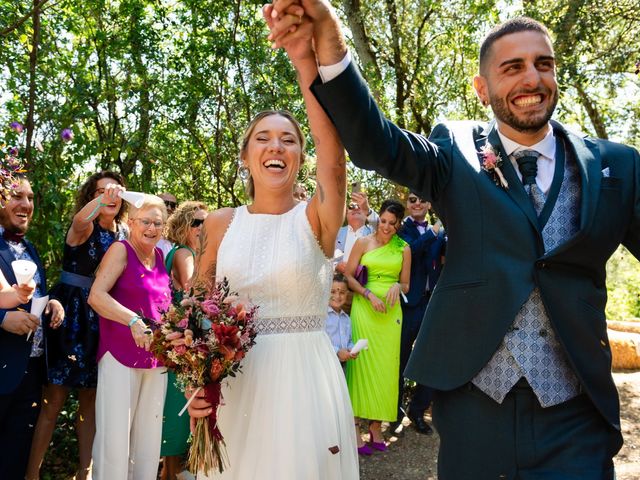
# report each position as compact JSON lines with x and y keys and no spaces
{"x":129,"y":404}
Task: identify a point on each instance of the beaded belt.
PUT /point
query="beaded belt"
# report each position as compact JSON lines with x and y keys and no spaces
{"x":305,"y":323}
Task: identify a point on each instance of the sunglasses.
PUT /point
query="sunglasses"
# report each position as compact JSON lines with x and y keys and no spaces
{"x":416,"y":199}
{"x":197,"y":222}
{"x":353,"y":206}
{"x":170,"y":204}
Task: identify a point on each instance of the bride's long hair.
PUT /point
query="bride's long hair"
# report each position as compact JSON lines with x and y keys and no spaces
{"x":244,"y":141}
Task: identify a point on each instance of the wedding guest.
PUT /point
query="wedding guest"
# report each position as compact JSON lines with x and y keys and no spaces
{"x":338,"y":323}
{"x":523,"y":384}
{"x":171,"y":203}
{"x":72,"y":348}
{"x":376,"y":315}
{"x":275,"y":251}
{"x":22,"y":362}
{"x":427,"y":243}
{"x":130,"y":289}
{"x":183,"y":230}
{"x":361,"y":221}
{"x":300,"y":192}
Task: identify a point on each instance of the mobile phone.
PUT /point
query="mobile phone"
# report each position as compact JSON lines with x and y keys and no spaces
{"x":355,"y":187}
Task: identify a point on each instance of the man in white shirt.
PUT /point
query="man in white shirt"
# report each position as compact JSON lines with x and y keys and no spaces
{"x":361,"y":221}
{"x":171,"y":203}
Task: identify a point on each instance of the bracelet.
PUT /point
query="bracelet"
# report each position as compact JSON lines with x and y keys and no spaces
{"x":366,"y":293}
{"x":134,"y":320}
{"x":98,"y":207}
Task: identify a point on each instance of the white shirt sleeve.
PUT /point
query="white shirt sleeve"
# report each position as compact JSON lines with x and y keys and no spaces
{"x":329,"y":72}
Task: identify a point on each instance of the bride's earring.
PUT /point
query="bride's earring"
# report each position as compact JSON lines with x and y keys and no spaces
{"x":243,"y":172}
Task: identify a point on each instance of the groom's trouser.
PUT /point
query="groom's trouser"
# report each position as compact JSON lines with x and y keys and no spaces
{"x":518,"y":439}
{"x":411,"y":321}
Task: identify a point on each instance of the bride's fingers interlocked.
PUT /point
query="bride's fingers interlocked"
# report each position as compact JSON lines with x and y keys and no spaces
{"x":284,"y":24}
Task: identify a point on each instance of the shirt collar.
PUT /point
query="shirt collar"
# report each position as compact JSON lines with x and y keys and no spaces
{"x":545,"y":147}
{"x":350,"y":229}
{"x":331,"y":310}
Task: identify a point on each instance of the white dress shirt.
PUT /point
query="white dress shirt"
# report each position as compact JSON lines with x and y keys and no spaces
{"x":351,"y":238}
{"x":546,"y":161}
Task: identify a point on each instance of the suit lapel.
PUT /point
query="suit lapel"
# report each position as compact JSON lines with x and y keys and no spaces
{"x":7,"y":257}
{"x":515,"y":190}
{"x":589,"y":164}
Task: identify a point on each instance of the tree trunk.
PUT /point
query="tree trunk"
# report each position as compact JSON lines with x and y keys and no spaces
{"x":398,"y":66}
{"x":33,"y":62}
{"x":360,"y":38}
{"x":592,"y":110}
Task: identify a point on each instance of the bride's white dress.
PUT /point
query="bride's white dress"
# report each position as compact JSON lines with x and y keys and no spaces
{"x":289,"y":409}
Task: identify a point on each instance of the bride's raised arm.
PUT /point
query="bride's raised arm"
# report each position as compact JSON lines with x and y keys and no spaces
{"x":327,"y":206}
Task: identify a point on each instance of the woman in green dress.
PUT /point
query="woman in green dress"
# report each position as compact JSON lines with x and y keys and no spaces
{"x":183,"y":230}
{"x":376,"y":316}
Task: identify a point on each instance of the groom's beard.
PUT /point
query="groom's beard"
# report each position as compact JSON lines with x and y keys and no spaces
{"x":522,"y":123}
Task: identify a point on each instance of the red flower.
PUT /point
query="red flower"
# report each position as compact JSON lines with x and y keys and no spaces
{"x":216,"y":370}
{"x":227,"y":335}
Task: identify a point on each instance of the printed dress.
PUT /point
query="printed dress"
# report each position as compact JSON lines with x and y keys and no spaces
{"x":72,"y":347}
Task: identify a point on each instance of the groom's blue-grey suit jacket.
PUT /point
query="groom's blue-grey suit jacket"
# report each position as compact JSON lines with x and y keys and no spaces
{"x":495,"y":252}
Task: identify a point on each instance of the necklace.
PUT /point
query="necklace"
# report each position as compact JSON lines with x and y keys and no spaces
{"x":148,"y":260}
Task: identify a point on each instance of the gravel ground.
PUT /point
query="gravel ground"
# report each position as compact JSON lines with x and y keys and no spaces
{"x":413,"y":456}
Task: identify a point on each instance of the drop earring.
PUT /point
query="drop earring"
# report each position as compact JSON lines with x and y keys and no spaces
{"x":243,"y":172}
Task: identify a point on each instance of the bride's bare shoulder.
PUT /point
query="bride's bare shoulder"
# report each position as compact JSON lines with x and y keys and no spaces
{"x":220,"y":217}
{"x":217,"y":223}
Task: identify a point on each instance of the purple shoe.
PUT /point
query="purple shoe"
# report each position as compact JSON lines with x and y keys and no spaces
{"x":364,"y":450}
{"x":380,"y":446}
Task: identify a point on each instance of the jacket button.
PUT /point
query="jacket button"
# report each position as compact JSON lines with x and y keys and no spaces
{"x":603,"y":343}
{"x":540,"y":264}
{"x":543,"y":332}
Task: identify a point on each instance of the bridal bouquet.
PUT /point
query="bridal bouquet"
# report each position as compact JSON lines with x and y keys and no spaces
{"x":217,"y":331}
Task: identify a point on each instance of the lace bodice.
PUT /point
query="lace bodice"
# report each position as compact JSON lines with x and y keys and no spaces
{"x":277,"y":262}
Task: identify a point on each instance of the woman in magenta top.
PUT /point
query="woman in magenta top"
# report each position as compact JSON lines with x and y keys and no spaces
{"x":131,"y":284}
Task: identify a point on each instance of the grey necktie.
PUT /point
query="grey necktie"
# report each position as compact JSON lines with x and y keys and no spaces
{"x":528,"y":165}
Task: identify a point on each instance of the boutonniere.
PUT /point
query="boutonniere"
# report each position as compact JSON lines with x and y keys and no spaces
{"x":491,"y":163}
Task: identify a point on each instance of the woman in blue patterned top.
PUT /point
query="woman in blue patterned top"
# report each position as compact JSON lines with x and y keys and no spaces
{"x":71,"y":349}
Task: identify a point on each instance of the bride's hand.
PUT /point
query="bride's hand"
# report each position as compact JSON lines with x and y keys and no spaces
{"x":297,"y":32}
{"x":199,"y":406}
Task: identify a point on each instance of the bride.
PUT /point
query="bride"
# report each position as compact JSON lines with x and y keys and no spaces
{"x":287,"y":416}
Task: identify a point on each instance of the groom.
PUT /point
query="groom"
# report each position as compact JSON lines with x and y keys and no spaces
{"x":514,"y":337}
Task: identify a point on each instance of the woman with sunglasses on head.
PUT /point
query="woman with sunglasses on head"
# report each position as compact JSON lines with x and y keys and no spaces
{"x":183,"y":230}
{"x":130,"y":290}
{"x":72,"y":347}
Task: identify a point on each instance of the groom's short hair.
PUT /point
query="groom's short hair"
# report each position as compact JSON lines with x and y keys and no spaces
{"x":514,"y":25}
